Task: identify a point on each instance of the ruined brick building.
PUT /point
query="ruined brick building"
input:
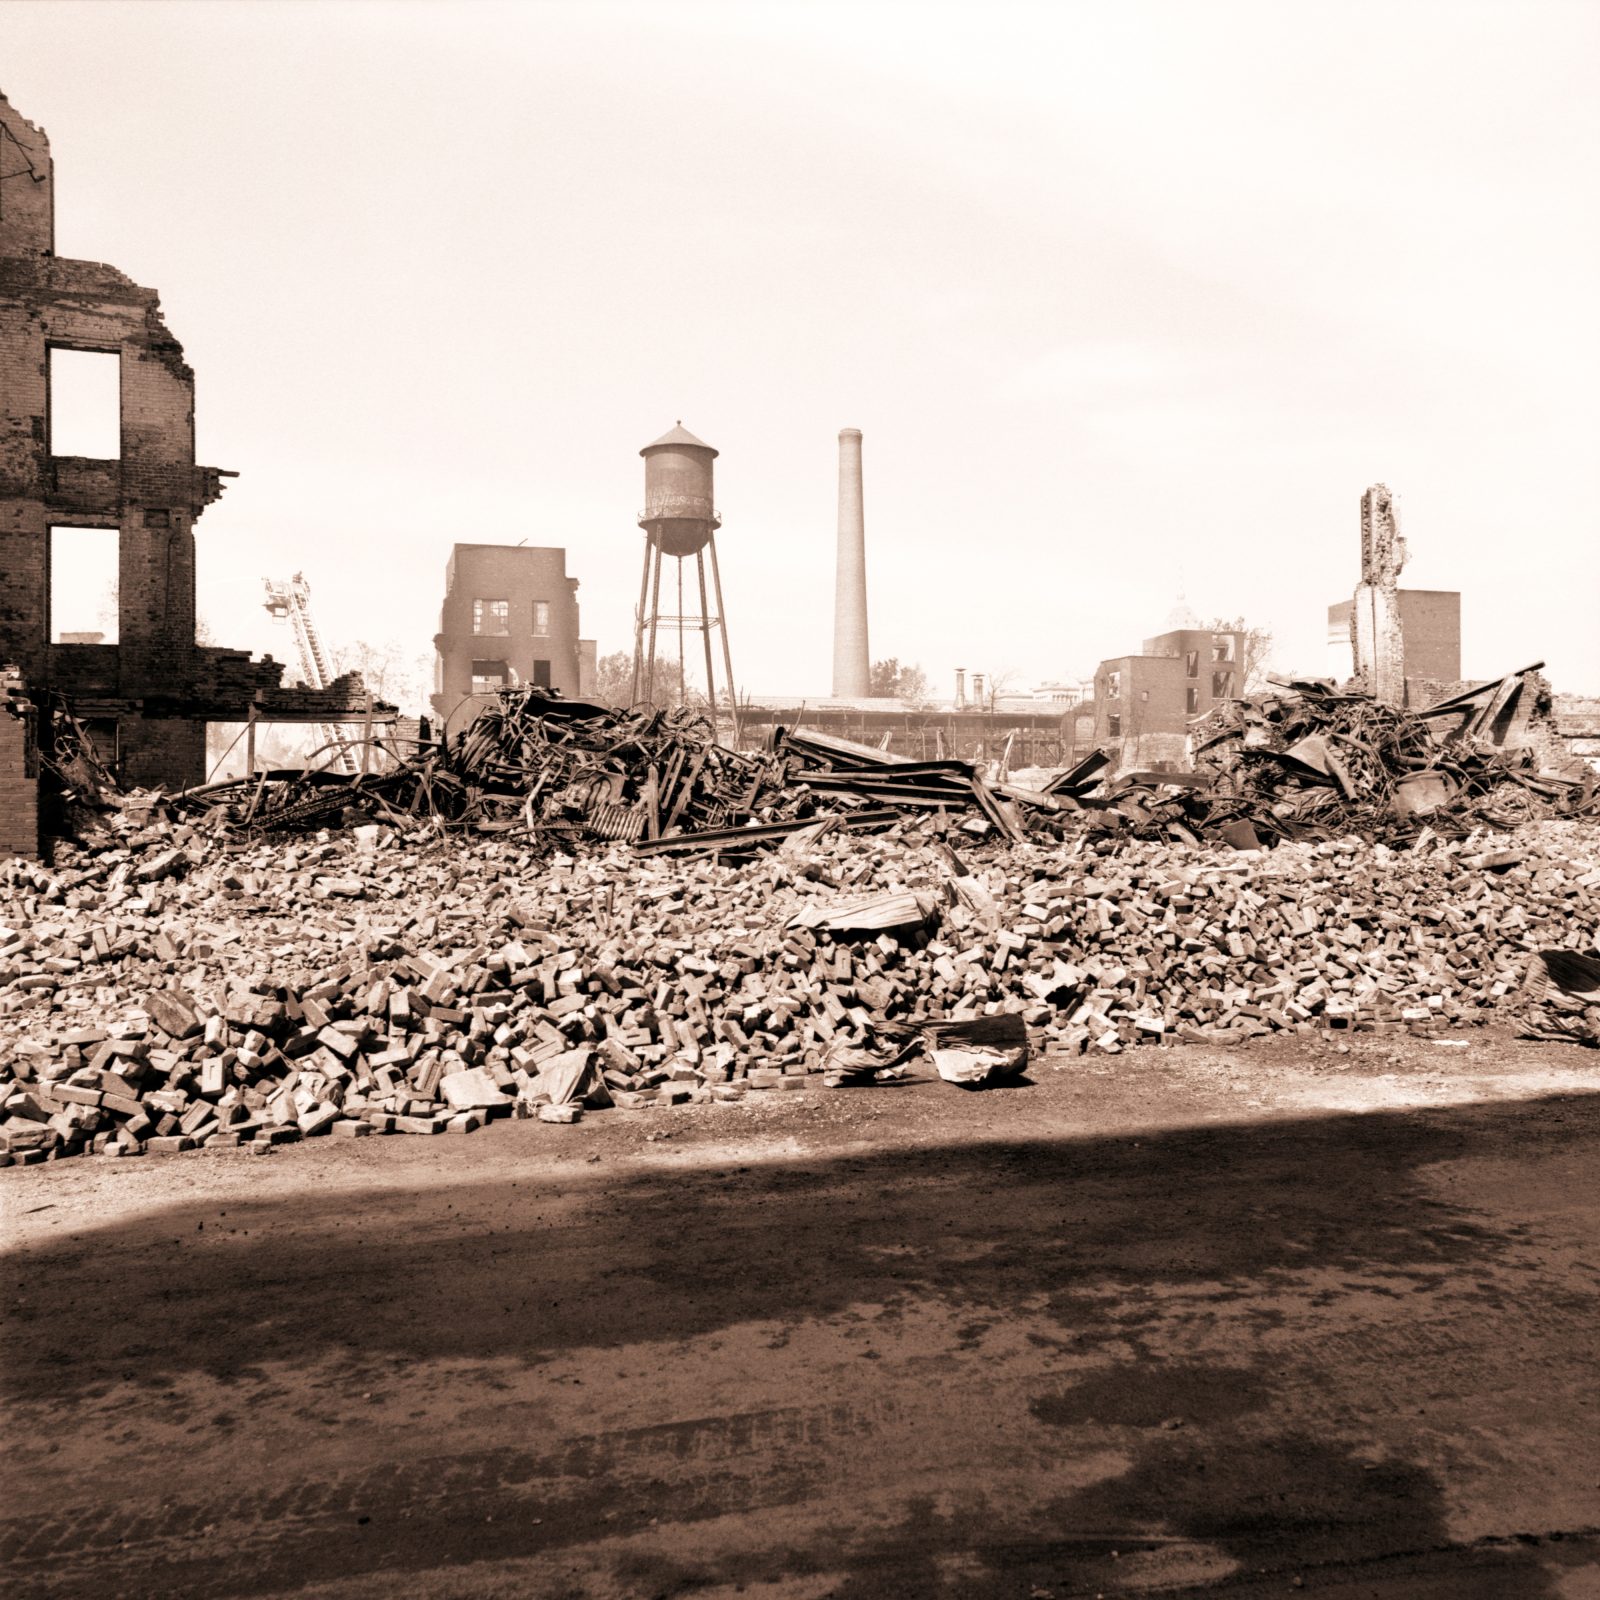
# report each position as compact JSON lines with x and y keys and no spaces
{"x":139,"y":682}
{"x":1404,"y":645}
{"x":1143,"y":704}
{"x":510,"y":616}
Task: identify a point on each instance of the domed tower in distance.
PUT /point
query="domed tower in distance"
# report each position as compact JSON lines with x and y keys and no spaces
{"x":679,"y":520}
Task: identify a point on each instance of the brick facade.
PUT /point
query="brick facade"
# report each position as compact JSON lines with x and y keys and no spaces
{"x":521,"y":645}
{"x":1430,"y":641}
{"x":1143,"y":704}
{"x":154,"y":688}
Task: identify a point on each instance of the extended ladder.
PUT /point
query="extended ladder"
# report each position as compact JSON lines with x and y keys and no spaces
{"x":291,"y":602}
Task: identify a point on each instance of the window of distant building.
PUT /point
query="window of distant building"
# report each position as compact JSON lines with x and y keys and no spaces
{"x":1221,"y":647}
{"x":488,"y":676}
{"x":1144,"y":694}
{"x":491,"y":616}
{"x":1191,"y":663}
{"x":1221,"y":685}
{"x":541,"y":617}
{"x":1113,"y":726}
{"x":541,"y":674}
{"x":1192,"y":702}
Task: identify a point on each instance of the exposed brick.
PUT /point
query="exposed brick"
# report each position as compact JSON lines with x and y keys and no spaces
{"x":154,"y":690}
{"x":523,"y":576}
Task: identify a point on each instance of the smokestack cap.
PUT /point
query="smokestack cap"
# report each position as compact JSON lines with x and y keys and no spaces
{"x":677,"y":438}
{"x":849,"y":433}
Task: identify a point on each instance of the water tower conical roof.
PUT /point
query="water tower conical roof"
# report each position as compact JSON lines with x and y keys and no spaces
{"x":678,"y":435}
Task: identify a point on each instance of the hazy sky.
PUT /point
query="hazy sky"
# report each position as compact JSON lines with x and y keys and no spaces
{"x":1124,"y":297}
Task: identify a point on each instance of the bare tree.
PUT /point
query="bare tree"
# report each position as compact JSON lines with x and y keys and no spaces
{"x":995,"y":685}
{"x":393,"y":671}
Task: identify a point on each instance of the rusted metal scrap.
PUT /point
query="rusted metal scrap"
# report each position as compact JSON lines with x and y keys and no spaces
{"x":536,"y":763}
{"x":1310,"y":761}
{"x":1303,"y":761}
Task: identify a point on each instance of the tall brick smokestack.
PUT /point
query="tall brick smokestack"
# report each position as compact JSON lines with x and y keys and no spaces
{"x":852,"y":669}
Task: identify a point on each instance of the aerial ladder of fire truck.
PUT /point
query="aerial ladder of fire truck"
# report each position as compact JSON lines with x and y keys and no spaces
{"x":291,"y":602}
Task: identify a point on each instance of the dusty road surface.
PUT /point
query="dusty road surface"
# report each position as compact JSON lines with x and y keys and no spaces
{"x":1179,"y":1322}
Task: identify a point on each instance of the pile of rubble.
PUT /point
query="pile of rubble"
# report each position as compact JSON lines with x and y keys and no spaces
{"x":180,"y":983}
{"x":1311,"y":760}
{"x":565,"y":772}
{"x":1307,"y":762}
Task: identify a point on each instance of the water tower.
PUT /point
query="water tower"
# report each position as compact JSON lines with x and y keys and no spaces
{"x":679,"y":520}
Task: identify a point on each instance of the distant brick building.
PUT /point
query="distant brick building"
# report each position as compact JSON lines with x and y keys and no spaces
{"x":1145,"y":703}
{"x":1430,"y":630}
{"x":510,"y":617}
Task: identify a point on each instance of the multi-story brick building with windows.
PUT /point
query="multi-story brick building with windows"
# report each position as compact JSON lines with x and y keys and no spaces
{"x":510,"y":617}
{"x":1145,"y":703}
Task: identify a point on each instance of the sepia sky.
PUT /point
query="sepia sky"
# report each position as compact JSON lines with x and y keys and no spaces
{"x":1126,"y":298}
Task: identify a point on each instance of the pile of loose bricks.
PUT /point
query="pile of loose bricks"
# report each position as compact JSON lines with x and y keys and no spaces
{"x":176,"y":988}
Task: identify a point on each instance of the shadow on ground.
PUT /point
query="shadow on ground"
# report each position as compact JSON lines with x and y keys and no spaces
{"x":1085,"y":1230}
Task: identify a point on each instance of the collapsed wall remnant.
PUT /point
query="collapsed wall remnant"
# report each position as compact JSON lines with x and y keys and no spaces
{"x":1376,"y":634}
{"x":139,"y":684}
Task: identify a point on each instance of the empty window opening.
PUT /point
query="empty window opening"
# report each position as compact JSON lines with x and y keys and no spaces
{"x":1191,"y":663}
{"x":488,"y":677}
{"x":1221,"y":685}
{"x":1113,"y":726}
{"x":491,"y":616}
{"x":1113,"y":686}
{"x":1144,"y":694}
{"x":1221,"y":647}
{"x":541,"y":616}
{"x":541,"y":674}
{"x":85,"y":404}
{"x":83,"y":585}
{"x":1192,"y":703}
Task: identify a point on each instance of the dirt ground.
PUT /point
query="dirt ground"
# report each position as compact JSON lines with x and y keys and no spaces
{"x":1179,"y":1322}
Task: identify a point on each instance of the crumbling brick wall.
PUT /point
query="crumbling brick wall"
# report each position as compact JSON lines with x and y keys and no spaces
{"x":151,"y":493}
{"x":19,"y":769}
{"x":154,"y":687}
{"x":1376,"y":632}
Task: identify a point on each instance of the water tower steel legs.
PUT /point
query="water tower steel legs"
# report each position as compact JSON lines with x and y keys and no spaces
{"x":705,"y":633}
{"x":683,"y":690}
{"x":727,"y":651}
{"x":648,"y":623}
{"x":655,"y":617}
{"x":638,"y":620}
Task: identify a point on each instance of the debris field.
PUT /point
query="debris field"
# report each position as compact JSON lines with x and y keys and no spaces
{"x":575,"y":907}
{"x":186,"y":987}
{"x":1304,"y":762}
